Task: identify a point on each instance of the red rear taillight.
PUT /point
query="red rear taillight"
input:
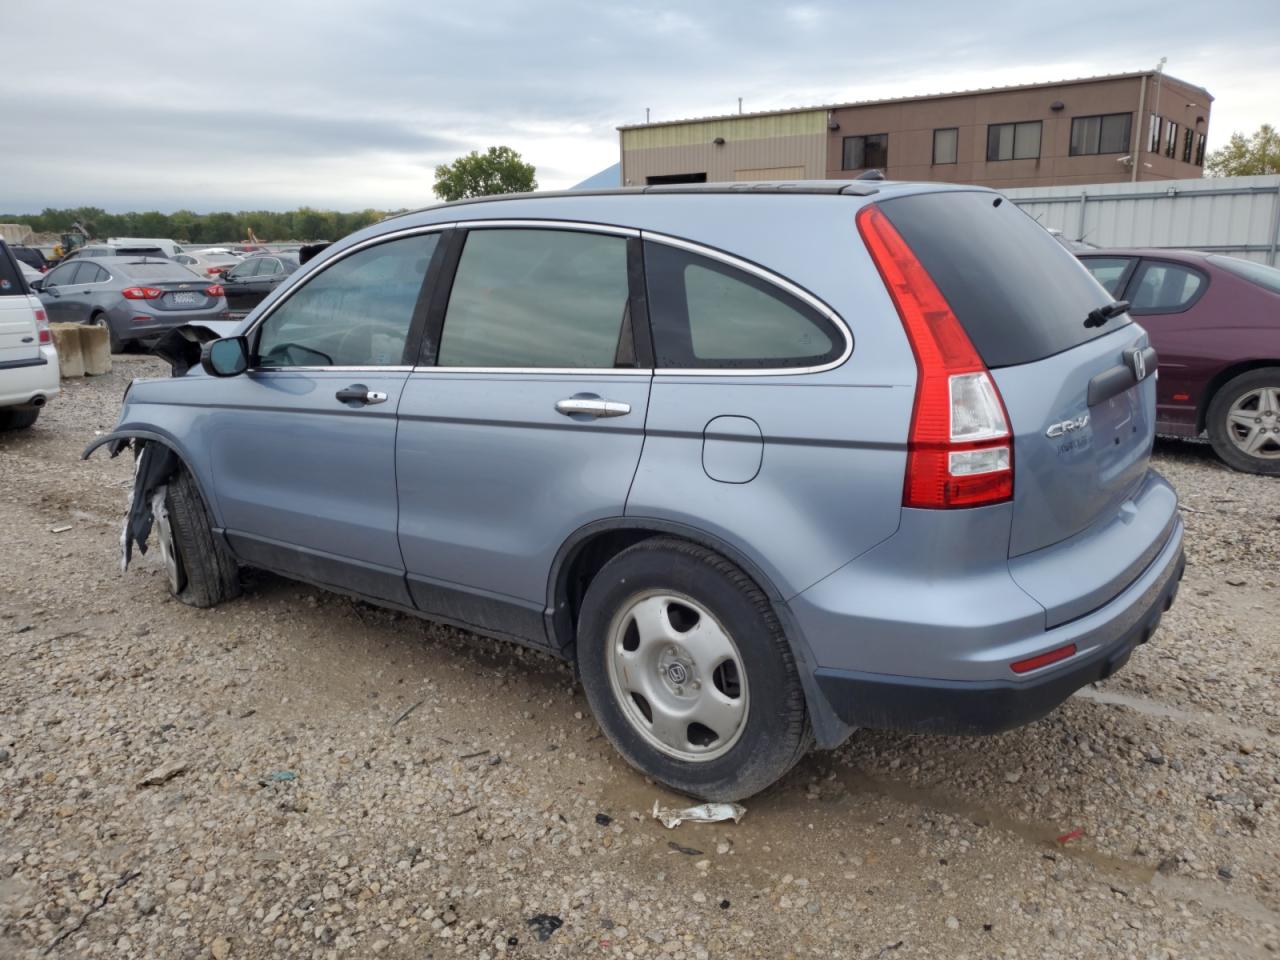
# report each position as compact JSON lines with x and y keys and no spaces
{"x":959,"y":451}
{"x":42,"y":325}
{"x":213,"y":271}
{"x":215,"y":290}
{"x":142,"y":293}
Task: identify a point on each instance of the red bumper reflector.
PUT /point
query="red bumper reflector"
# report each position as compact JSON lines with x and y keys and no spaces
{"x":1044,"y":659}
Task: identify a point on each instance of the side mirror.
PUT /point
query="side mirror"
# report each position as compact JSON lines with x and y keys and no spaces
{"x":36,"y":285}
{"x":228,"y":357}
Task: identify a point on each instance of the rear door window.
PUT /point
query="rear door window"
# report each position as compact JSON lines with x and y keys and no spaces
{"x":706,"y":314}
{"x":1163,"y":287}
{"x":537,"y":298}
{"x":1111,"y":272}
{"x":11,"y":282}
{"x":1018,"y":293}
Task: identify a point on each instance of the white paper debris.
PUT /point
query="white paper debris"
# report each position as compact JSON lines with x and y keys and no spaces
{"x":703,"y":813}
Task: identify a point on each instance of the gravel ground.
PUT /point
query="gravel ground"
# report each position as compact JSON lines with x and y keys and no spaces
{"x":296,"y":774}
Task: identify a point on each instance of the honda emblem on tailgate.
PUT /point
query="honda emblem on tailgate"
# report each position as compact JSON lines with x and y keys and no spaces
{"x":1137,"y":362}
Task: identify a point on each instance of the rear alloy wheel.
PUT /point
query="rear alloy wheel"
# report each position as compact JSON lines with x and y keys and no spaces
{"x":100,"y":320}
{"x":688,"y":672}
{"x":1244,"y":422}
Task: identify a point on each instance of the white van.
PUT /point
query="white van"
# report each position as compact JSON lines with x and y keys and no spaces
{"x":169,"y":247}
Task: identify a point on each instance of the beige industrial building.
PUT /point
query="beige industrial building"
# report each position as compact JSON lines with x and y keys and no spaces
{"x":1121,"y":127}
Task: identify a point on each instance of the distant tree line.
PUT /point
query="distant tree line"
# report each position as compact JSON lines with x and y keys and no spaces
{"x":186,"y":226}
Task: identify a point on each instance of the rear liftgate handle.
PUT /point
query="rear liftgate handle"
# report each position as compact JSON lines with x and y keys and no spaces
{"x":358,"y":395}
{"x":589,"y":405}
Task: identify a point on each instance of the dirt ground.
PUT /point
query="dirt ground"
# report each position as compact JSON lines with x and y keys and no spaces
{"x":339,"y":780}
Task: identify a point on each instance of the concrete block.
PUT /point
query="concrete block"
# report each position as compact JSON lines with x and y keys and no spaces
{"x":66,"y":340}
{"x":95,"y":346}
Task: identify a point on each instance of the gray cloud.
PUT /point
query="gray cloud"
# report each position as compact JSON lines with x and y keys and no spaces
{"x":337,"y":106}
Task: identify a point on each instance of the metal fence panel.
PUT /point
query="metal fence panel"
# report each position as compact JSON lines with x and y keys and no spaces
{"x":1235,"y":215}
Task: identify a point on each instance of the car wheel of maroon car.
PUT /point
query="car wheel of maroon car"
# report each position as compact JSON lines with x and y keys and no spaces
{"x":1244,"y":421}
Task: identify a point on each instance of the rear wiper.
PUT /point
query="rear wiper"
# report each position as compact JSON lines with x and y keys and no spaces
{"x":1097,"y":317}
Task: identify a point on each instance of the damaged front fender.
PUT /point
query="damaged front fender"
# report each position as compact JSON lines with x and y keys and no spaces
{"x":155,"y":463}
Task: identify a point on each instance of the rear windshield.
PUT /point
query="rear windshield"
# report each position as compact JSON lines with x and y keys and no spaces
{"x":139,"y":252}
{"x":12,"y":283}
{"x":1018,"y":293}
{"x":1259,"y":273}
{"x":159,"y":271}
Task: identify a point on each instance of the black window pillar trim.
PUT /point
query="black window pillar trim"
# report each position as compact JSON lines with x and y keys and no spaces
{"x":439,"y":283}
{"x":637,"y":291}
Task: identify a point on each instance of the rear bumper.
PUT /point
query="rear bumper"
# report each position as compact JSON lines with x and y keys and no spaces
{"x":129,"y":324}
{"x":1109,"y":635}
{"x":20,"y":386}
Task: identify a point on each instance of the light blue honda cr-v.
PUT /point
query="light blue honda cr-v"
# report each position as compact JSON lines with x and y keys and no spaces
{"x":768,"y":462}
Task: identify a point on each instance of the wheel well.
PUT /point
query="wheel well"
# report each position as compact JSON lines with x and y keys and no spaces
{"x":1221,"y":379}
{"x":580,"y":568}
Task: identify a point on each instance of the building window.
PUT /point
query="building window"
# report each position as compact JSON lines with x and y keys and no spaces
{"x":1188,"y":139}
{"x":1154,"y":134}
{"x":866,"y":151}
{"x":1106,"y":133}
{"x":1014,"y":141}
{"x":1170,"y":139}
{"x":944,"y":145}
{"x":1200,"y":150}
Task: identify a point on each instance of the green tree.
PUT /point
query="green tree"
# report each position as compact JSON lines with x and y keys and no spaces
{"x":497,"y":170}
{"x":1247,"y":156}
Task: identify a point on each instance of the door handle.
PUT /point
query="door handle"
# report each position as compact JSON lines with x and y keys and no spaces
{"x":592,"y":406}
{"x":359,"y":395}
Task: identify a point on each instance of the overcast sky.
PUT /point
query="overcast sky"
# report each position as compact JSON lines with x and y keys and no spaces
{"x":345,"y":105}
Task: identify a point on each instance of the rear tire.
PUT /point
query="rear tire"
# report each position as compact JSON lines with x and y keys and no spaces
{"x":202,"y":571}
{"x":1243,"y":421}
{"x":719,"y":655}
{"x":100,"y":320}
{"x":18,"y":419}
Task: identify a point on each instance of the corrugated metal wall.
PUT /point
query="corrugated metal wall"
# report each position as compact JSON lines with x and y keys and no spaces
{"x":1235,"y":215}
{"x":732,"y":128}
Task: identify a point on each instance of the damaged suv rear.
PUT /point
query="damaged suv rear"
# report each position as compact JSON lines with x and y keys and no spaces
{"x":766,"y":462}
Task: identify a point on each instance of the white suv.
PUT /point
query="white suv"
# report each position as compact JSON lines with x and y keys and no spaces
{"x":28,"y":360}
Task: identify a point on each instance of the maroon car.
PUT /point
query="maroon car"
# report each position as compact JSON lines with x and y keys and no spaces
{"x":1215,"y":323}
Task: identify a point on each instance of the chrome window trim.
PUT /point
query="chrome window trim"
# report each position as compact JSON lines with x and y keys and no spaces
{"x":398,"y":368}
{"x":573,"y":225}
{"x":769,"y":277}
{"x":551,"y":371}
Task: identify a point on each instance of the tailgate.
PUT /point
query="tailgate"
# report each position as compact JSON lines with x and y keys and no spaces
{"x":1076,"y":461}
{"x":1082,"y":420}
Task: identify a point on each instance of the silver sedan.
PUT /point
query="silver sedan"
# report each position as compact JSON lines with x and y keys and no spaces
{"x":136,"y":299}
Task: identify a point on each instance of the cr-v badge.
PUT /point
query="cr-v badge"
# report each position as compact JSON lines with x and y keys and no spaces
{"x":1067,"y":426}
